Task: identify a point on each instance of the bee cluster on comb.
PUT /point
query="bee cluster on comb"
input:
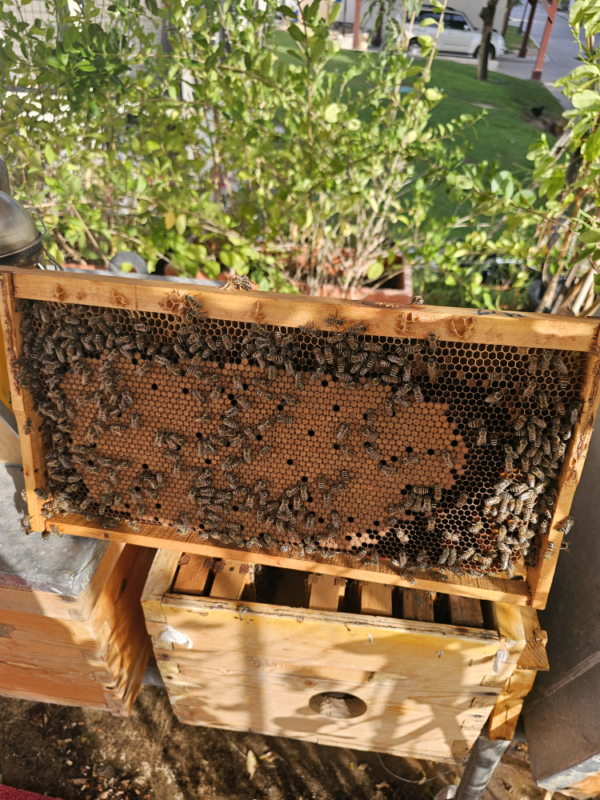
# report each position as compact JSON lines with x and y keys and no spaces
{"x":435,"y":455}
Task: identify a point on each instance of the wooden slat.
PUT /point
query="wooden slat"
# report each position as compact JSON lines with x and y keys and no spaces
{"x":534,"y":655}
{"x":466,"y":611}
{"x":158,"y":582}
{"x":192,"y":575}
{"x":10,"y":446}
{"x":230,"y":580}
{"x":376,"y":599}
{"x":417,"y":604}
{"x":157,"y":536}
{"x":32,"y":456}
{"x":325,"y":592}
{"x":507,"y":328}
{"x":540,"y":578}
{"x":505,"y":715}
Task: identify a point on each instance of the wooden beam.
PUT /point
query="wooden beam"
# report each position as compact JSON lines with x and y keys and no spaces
{"x":325,"y":592}
{"x":417,"y":604}
{"x":515,"y":329}
{"x":231,"y":578}
{"x":466,"y":611}
{"x":375,"y":599}
{"x":32,"y":452}
{"x":192,"y":574}
{"x":497,"y":589}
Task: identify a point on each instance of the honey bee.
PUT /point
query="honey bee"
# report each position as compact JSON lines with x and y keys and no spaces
{"x":560,"y":365}
{"x":477,"y":422}
{"x":574,"y":411}
{"x":542,"y":399}
{"x":494,"y":398}
{"x":482,"y":437}
{"x":335,"y":320}
{"x":417,"y":300}
{"x":388,"y":470}
{"x":264,"y":450}
{"x":530,"y":388}
{"x":432,"y":369}
{"x":447,"y":459}
{"x":566,"y":526}
{"x":532,"y":364}
{"x":549,"y":551}
{"x":418,"y":394}
{"x":346,"y":450}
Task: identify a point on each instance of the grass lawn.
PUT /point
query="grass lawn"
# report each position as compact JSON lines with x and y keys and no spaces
{"x":514,"y":39}
{"x":505,"y":133}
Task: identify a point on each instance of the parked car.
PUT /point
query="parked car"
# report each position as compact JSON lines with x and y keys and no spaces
{"x":458,"y":36}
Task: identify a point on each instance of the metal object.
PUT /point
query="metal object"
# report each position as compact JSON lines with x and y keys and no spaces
{"x":560,"y":715}
{"x":20,"y":240}
{"x":483,"y":760}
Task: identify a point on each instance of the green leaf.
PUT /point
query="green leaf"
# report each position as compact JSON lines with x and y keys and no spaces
{"x":590,"y":237}
{"x":585,"y":99}
{"x":332,"y":112}
{"x":375,"y":271}
{"x":591,"y":148}
{"x":308,"y":219}
{"x":295,"y":32}
{"x":287,"y":12}
{"x":170,"y":220}
{"x":50,"y":155}
{"x":428,"y":22}
{"x":172,"y":90}
{"x":181,"y":224}
{"x":334,"y":13}
{"x":126,"y":266}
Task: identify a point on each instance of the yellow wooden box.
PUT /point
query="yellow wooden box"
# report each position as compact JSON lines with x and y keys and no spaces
{"x":419,"y":688}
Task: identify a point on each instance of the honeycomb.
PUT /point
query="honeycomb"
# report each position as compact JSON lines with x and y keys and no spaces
{"x":436,"y":455}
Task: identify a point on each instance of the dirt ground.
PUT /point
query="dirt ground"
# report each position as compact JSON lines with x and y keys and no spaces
{"x":74,"y":753}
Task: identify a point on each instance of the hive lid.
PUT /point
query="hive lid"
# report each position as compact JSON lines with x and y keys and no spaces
{"x":63,"y":566}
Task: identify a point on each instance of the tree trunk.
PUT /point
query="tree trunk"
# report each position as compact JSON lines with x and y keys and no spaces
{"x":487,"y":15}
{"x":509,"y":7}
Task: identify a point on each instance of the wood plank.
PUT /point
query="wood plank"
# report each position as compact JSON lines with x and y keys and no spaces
{"x":466,"y":611}
{"x":157,"y":536}
{"x":375,"y":599}
{"x":192,"y":574}
{"x":10,"y":446}
{"x":392,"y":723}
{"x":231,"y":578}
{"x":417,"y":604}
{"x":540,"y":578}
{"x":509,"y":625}
{"x":32,"y":454}
{"x":512,"y":329}
{"x":506,"y":712}
{"x":159,"y":580}
{"x":325,"y":592}
{"x":534,"y":655}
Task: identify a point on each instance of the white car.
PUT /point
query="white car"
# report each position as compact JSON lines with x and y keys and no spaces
{"x":458,"y":36}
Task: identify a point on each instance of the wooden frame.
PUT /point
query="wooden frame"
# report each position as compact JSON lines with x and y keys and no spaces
{"x":428,"y":687}
{"x":513,"y":329}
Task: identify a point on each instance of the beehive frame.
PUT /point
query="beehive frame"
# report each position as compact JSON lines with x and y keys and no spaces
{"x":444,"y":336}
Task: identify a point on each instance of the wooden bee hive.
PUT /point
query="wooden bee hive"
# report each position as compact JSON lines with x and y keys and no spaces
{"x":344,"y":663}
{"x":413,"y":445}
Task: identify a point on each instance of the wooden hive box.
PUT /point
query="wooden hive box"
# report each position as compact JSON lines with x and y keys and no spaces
{"x":71,"y":626}
{"x":277,"y":652}
{"x":405,"y":445}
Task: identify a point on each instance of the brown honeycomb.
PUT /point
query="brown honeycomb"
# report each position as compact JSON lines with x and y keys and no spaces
{"x":412,"y":434}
